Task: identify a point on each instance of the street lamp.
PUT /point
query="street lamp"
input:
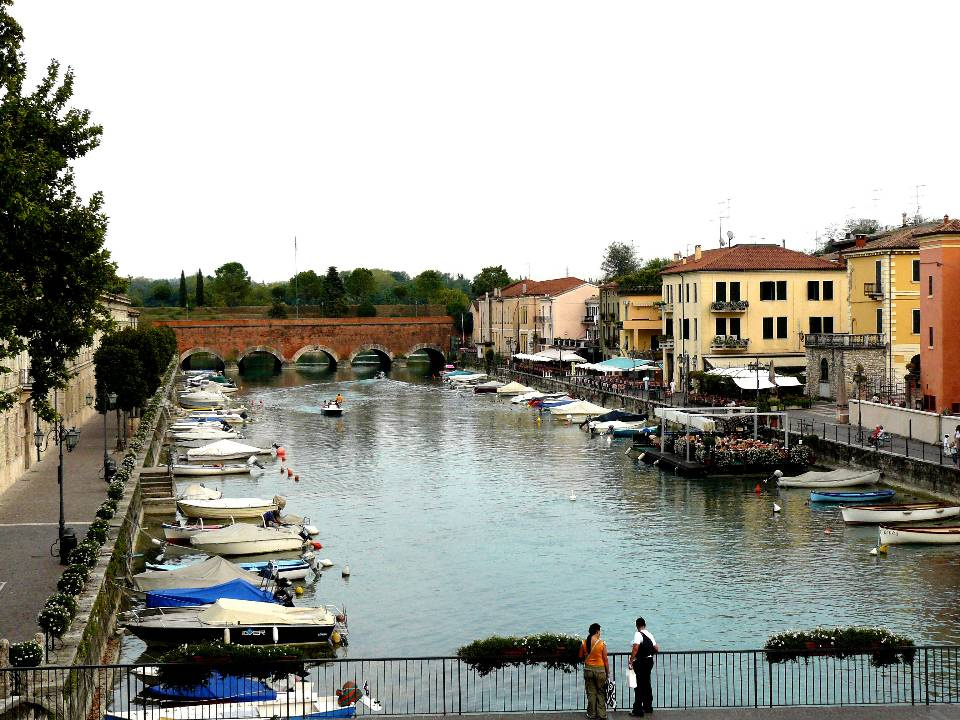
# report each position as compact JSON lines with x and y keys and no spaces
{"x":109,"y":468}
{"x":62,"y":437}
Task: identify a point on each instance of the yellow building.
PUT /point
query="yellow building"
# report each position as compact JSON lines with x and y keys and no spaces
{"x":640,"y":320}
{"x":747,"y":303}
{"x":883,"y":274}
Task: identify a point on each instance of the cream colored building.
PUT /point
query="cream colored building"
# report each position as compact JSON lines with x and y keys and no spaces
{"x":531,"y":315}
{"x":747,"y":303}
{"x":18,"y":424}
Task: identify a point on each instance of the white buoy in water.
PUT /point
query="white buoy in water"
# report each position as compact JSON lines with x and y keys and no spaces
{"x":346,"y":570}
{"x":776,"y":508}
{"x":873,"y":551}
{"x":573,"y":497}
{"x":326,"y":562}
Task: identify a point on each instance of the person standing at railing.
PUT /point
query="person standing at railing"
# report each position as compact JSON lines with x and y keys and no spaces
{"x":596,"y":668}
{"x":641,"y":660}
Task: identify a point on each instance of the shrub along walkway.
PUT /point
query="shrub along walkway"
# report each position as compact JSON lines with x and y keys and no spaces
{"x":29,"y":514}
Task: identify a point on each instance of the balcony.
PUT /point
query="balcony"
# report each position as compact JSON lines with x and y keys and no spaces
{"x":729,"y":342}
{"x":589,"y":319}
{"x":664,"y":306}
{"x":844,"y":341}
{"x":664,"y":342}
{"x":730,"y":306}
{"x":26,"y":379}
{"x":873,"y":290}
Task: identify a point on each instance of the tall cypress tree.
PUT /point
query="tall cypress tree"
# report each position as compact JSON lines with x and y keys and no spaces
{"x":183,"y":290}
{"x":200,"y":302}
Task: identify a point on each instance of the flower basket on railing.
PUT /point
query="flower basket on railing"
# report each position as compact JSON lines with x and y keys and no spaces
{"x":559,"y":652}
{"x":883,"y":646}
{"x":188,"y":665}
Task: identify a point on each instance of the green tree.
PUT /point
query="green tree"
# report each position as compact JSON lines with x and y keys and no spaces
{"x":305,"y":288}
{"x":646,"y":276}
{"x":54,"y":265}
{"x":489,"y":278}
{"x":183,"y":290}
{"x":117,"y":369}
{"x":426,"y":285}
{"x":618,"y":260}
{"x":199,"y":299}
{"x":334,"y":295}
{"x":360,"y":284}
{"x":231,"y":284}
{"x":278,"y":308}
{"x":160,"y":293}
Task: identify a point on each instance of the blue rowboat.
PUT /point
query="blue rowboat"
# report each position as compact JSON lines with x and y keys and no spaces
{"x":851,"y":497}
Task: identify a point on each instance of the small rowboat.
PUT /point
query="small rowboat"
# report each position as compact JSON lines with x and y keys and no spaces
{"x":288,"y":569}
{"x":943,"y":535}
{"x":226,"y":507}
{"x":832,"y":479}
{"x":877,"y":514}
{"x":202,"y":470}
{"x":850,"y":497}
{"x":184,"y":531}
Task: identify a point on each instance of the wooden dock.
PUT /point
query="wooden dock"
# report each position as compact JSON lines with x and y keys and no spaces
{"x":668,"y":462}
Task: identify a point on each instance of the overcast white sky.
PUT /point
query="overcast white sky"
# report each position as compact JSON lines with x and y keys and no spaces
{"x":454,"y":135}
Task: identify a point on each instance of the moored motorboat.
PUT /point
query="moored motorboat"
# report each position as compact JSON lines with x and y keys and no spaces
{"x":293,"y":569}
{"x":514,"y":388}
{"x":915,"y":512}
{"x":239,"y":622}
{"x":850,"y":497}
{"x":288,"y":569}
{"x":186,"y":470}
{"x":242,"y":539}
{"x":182,"y":532}
{"x":225,"y":450}
{"x":201,"y":399}
{"x":248,"y":507}
{"x":491,"y":386}
{"x":933,"y":535}
{"x":196,"y":491}
{"x":842,"y":477}
{"x":236,"y":589}
{"x":206,"y":573}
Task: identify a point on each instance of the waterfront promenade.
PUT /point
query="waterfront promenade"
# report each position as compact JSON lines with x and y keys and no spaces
{"x":848,"y":712}
{"x":29,"y":514}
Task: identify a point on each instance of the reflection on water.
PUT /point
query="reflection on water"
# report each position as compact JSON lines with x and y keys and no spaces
{"x":453,"y":512}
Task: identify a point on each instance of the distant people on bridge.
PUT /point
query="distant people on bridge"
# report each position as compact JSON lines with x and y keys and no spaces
{"x":641,"y":660}
{"x":596,"y":669}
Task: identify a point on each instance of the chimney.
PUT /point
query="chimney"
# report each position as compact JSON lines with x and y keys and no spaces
{"x":523,"y":289}
{"x":946,"y":218}
{"x":861,"y":240}
{"x":904,"y":220}
{"x":697,"y":253}
{"x":684,"y":260}
{"x":676,"y":257}
{"x":784,"y":243}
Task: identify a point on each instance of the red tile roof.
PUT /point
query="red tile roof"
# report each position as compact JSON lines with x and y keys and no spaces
{"x":948,"y":226}
{"x":902,"y":238}
{"x":542,"y":287}
{"x":751,"y":257}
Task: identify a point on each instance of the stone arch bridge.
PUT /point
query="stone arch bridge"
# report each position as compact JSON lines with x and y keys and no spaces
{"x":340,"y":339}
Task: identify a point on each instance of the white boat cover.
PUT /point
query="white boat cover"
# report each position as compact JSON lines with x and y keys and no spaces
{"x":196,"y":491}
{"x":700,"y":422}
{"x":229,"y":503}
{"x":491,"y":384}
{"x":526,"y":397}
{"x":240,"y":532}
{"x":203,"y":396}
{"x":579,"y":407}
{"x":513,"y":388}
{"x":246,"y":612}
{"x":223,"y":448}
{"x":212,"y":571}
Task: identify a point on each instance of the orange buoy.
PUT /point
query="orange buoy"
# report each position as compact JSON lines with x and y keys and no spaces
{"x":757,"y":489}
{"x":281,"y":453}
{"x":316,"y":545}
{"x":827,"y":531}
{"x":289,"y":472}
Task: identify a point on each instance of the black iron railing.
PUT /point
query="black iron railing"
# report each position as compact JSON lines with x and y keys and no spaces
{"x":447,"y":686}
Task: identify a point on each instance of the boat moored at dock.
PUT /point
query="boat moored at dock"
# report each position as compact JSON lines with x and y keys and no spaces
{"x":915,"y":512}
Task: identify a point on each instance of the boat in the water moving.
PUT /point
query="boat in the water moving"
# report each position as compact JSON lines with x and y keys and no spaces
{"x":226,"y":508}
{"x":239,"y":622}
{"x":877,"y":514}
{"x":842,"y":477}
{"x":242,"y":539}
{"x":933,"y":535}
{"x":331,"y":409}
{"x":850,"y":497}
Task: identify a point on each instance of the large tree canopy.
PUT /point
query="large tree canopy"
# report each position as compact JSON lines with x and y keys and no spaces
{"x":231,"y":284}
{"x":618,"y":260}
{"x":488,"y":279}
{"x":53,"y":267}
{"x":361,"y":284}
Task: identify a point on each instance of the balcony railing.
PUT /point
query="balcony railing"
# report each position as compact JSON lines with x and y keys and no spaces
{"x":873,"y":290}
{"x":663,"y":306}
{"x":844,"y":340}
{"x":664,"y":342}
{"x":729,"y":305}
{"x":729,"y":342}
{"x":589,"y":319}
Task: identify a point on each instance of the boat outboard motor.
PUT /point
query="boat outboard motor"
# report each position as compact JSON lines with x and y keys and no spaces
{"x":282,"y":593}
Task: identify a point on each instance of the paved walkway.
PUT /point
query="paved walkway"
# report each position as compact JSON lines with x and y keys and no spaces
{"x":29,"y":514}
{"x":848,"y":712}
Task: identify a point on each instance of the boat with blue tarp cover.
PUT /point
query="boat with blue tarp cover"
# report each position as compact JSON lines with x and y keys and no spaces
{"x":851,"y":497}
{"x":222,"y":688}
{"x":185,"y":597}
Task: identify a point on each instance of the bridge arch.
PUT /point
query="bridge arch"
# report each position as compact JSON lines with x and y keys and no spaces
{"x":263,"y":349}
{"x":330,"y":353}
{"x":386,"y":357}
{"x":437,"y":358}
{"x":187,"y":354}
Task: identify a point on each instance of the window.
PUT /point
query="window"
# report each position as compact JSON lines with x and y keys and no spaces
{"x":916,"y":271}
{"x":781,"y":327}
{"x":930,"y":285}
{"x":694,"y":292}
{"x":686,"y":329}
{"x":781,"y":289}
{"x":687,"y":293}
{"x":721,"y":326}
{"x":694,"y":327}
{"x":879,"y":320}
{"x":828,"y":325}
{"x":767,"y":328}
{"x":773,"y":290}
{"x":735,"y":291}
{"x":828,"y":289}
{"x":824,"y":371}
{"x":876,"y":279}
{"x":720,"y":294}
{"x":735,"y":327}
{"x":767,"y":290}
{"x":816,"y":325}
{"x":813,"y":290}
{"x":916,"y":322}
{"x":930,"y":343}
{"x":669,"y":332}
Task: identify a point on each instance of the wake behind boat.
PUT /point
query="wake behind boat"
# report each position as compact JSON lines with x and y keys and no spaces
{"x":881,"y":514}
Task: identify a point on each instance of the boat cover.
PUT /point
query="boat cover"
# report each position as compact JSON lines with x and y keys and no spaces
{"x":225,"y":688}
{"x":580,"y":407}
{"x":212,"y":571}
{"x":700,"y":422}
{"x":621,"y":415}
{"x":242,"y":503}
{"x":491,"y":384}
{"x":196,"y":491}
{"x":513,"y":388}
{"x":237,"y":589}
{"x":240,"y":532}
{"x":244,"y":612}
{"x":222,"y":448}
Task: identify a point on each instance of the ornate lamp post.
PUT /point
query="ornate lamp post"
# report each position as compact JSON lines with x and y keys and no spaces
{"x":61,"y":437}
{"x":109,"y":468}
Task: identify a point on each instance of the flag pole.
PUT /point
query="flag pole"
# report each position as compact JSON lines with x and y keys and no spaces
{"x":296,"y":279}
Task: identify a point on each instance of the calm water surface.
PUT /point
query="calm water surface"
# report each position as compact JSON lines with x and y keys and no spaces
{"x":453,"y":511}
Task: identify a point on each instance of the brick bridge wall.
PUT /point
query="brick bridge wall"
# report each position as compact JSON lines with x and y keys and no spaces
{"x":341,"y":338}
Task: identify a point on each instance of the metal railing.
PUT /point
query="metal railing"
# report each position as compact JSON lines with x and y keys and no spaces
{"x":448,"y":686}
{"x":729,"y":342}
{"x":873,"y":290}
{"x":844,"y":340}
{"x":729,"y":305}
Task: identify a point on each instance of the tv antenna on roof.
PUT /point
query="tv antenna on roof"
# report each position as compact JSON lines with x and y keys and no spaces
{"x":721,"y":217}
{"x":729,"y":238}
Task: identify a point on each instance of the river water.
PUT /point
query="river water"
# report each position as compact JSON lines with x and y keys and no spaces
{"x":454,"y":513}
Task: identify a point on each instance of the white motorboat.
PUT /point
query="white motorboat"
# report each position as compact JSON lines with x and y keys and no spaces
{"x":201,"y":399}
{"x":182,"y":470}
{"x":242,"y":539}
{"x":514,"y":388}
{"x":233,"y":417}
{"x":182,"y":532}
{"x":196,"y":491}
{"x":842,"y":477}
{"x":331,"y":408}
{"x":204,"y":434}
{"x":932,"y":535}
{"x":206,"y":573}
{"x":881,"y":514}
{"x":225,"y":508}
{"x":225,"y":450}
{"x":526,"y":397}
